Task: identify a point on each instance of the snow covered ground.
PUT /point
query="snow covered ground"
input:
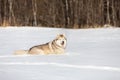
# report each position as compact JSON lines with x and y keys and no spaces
{"x":91,"y":54}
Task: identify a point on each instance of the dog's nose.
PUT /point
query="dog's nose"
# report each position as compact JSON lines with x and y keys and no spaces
{"x":62,"y":43}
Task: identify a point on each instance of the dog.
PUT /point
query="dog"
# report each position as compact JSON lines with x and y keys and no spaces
{"x":56,"y":46}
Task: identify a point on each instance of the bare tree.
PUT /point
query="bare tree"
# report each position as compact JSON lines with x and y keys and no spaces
{"x":108,"y":13}
{"x":11,"y":13}
{"x":5,"y":11}
{"x":113,"y":13}
{"x":34,"y":7}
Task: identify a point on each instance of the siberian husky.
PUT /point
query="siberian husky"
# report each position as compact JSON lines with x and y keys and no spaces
{"x":57,"y":46}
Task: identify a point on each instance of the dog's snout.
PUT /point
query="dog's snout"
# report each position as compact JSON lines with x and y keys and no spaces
{"x":62,"y":42}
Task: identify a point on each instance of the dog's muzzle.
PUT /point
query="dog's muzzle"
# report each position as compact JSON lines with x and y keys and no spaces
{"x":62,"y":43}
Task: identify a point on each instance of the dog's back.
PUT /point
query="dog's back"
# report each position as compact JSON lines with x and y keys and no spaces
{"x":40,"y":49}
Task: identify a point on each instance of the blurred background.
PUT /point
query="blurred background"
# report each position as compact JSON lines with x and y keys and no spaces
{"x":60,"y":13}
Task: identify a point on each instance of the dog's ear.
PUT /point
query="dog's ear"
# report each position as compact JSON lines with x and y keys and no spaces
{"x":60,"y":35}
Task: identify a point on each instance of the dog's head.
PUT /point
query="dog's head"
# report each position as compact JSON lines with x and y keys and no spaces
{"x":61,"y":40}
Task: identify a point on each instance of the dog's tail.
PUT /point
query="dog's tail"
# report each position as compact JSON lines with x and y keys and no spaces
{"x":21,"y":52}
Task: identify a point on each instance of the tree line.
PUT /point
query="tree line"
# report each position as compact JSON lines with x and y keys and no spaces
{"x":60,"y":13}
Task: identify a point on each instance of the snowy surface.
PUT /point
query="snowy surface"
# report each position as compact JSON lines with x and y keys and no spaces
{"x":91,"y":54}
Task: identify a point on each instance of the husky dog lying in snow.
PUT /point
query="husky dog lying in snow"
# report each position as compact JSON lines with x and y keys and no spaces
{"x":57,"y":46}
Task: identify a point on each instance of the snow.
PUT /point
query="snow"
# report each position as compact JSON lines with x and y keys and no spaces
{"x":91,"y":54}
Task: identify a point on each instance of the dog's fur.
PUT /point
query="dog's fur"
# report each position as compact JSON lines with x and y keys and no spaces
{"x":57,"y":46}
